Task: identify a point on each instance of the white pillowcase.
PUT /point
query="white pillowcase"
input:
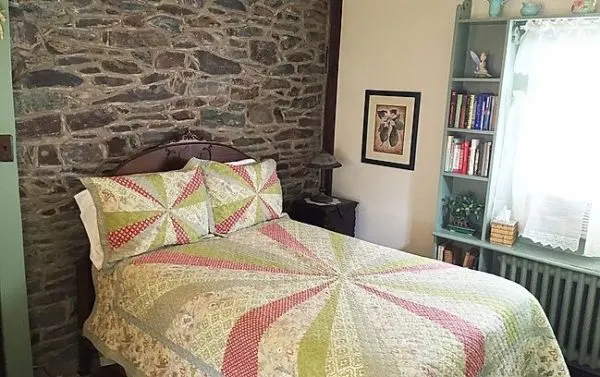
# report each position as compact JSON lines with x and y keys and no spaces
{"x":247,"y":161}
{"x":196,"y":162}
{"x":89,"y":217}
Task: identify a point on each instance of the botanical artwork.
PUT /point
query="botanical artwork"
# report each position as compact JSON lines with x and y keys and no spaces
{"x":390,"y":127}
{"x":583,"y":6}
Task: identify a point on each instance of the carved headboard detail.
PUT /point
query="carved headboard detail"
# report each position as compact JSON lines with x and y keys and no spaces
{"x":173,"y":156}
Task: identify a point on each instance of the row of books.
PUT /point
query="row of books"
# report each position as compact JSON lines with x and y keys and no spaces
{"x":470,"y":157}
{"x":472,"y":111}
{"x":450,"y":253}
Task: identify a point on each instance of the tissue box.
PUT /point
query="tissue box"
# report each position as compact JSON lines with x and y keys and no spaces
{"x":503,"y":233}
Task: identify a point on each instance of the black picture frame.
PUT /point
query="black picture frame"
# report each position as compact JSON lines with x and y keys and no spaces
{"x":367,"y":127}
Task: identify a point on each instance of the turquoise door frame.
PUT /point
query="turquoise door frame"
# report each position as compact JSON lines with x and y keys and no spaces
{"x":13,"y":291}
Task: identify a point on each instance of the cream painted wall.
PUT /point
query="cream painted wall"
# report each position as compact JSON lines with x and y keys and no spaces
{"x":393,"y":45}
{"x":398,"y":45}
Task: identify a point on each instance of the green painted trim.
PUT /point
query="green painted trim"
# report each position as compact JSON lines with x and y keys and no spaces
{"x":13,"y":290}
{"x":463,"y":11}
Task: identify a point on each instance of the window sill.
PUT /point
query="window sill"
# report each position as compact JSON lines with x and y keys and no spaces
{"x":528,"y":250}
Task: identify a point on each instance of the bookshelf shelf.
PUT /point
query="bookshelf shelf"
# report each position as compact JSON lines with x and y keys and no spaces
{"x":493,"y":80}
{"x":484,"y":21}
{"x":465,"y":176}
{"x":459,"y":237}
{"x":470,"y":131}
{"x":526,"y":250}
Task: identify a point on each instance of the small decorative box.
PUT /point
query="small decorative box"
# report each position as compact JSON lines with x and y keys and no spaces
{"x":504,"y":233}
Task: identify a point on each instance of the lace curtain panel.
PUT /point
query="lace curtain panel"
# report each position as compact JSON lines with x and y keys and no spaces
{"x":548,"y":174}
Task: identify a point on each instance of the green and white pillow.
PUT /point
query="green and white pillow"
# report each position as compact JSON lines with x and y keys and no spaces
{"x":242,"y":196}
{"x":144,"y":212}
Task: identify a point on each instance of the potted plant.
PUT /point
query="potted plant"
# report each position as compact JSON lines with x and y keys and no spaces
{"x":463,"y":213}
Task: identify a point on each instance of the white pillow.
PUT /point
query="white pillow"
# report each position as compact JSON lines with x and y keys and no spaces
{"x":247,"y":161}
{"x":195,"y":162}
{"x":89,"y":216}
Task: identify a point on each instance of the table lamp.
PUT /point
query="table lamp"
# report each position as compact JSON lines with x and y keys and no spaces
{"x":323,"y":162}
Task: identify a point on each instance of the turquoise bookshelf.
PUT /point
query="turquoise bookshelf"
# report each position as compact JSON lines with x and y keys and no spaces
{"x":493,"y":36}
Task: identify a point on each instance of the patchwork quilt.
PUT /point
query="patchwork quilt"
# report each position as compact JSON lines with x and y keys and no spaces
{"x":288,"y":299}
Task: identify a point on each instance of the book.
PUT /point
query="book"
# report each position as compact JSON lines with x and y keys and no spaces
{"x":463,"y":112}
{"x":487,"y":112}
{"x":448,"y":161}
{"x":449,"y":256}
{"x":440,"y":253}
{"x":484,"y":151}
{"x":494,"y":114}
{"x":469,"y":157}
{"x":473,"y":111}
{"x":477,"y":113}
{"x":459,"y":100}
{"x":472,"y":154}
{"x":477,"y":170}
{"x":469,"y":259}
{"x":452,"y":114}
{"x":482,"y":111}
{"x":487,"y":155}
{"x":464,"y":167}
{"x":456,"y":155}
{"x":440,"y":249}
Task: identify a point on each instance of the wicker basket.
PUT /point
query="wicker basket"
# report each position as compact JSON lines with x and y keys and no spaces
{"x":503,"y":233}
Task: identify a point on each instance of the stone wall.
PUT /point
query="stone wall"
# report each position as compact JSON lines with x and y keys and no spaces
{"x":98,"y":80}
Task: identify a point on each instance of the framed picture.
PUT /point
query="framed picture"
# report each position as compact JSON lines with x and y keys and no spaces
{"x":391,"y":122}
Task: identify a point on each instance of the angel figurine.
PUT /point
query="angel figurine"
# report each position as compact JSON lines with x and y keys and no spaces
{"x":480,"y":64}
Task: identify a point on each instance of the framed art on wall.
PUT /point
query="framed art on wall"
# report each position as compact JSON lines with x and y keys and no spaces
{"x":391,"y":122}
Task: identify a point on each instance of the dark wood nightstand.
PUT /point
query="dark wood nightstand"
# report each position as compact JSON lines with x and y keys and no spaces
{"x":109,"y":371}
{"x":340,"y":218}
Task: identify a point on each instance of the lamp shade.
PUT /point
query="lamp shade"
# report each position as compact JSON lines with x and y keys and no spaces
{"x":324,"y":160}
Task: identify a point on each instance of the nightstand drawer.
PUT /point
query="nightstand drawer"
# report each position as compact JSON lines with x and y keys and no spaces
{"x":339,"y":218}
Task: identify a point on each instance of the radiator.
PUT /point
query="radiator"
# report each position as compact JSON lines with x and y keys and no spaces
{"x":570,"y":300}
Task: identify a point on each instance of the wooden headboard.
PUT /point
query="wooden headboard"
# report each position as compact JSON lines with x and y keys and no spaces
{"x":171,"y":156}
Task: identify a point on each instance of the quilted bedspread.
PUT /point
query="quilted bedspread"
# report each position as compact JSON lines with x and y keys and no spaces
{"x":288,"y":299}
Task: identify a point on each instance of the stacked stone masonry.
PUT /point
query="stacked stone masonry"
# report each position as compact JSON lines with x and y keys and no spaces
{"x":96,"y":81}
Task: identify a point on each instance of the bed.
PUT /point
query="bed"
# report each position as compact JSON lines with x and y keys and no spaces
{"x":284,"y":298}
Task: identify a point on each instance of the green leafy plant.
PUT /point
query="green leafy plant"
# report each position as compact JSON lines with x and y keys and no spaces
{"x":463,"y":210}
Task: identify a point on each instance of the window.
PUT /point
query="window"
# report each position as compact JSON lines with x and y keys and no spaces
{"x":550,"y":164}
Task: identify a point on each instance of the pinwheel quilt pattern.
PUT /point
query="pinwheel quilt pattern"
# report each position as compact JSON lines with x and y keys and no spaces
{"x":287,"y":299}
{"x":144,"y":212}
{"x":242,"y":196}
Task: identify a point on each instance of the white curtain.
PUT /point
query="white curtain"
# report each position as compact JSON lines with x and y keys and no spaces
{"x":550,"y":168}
